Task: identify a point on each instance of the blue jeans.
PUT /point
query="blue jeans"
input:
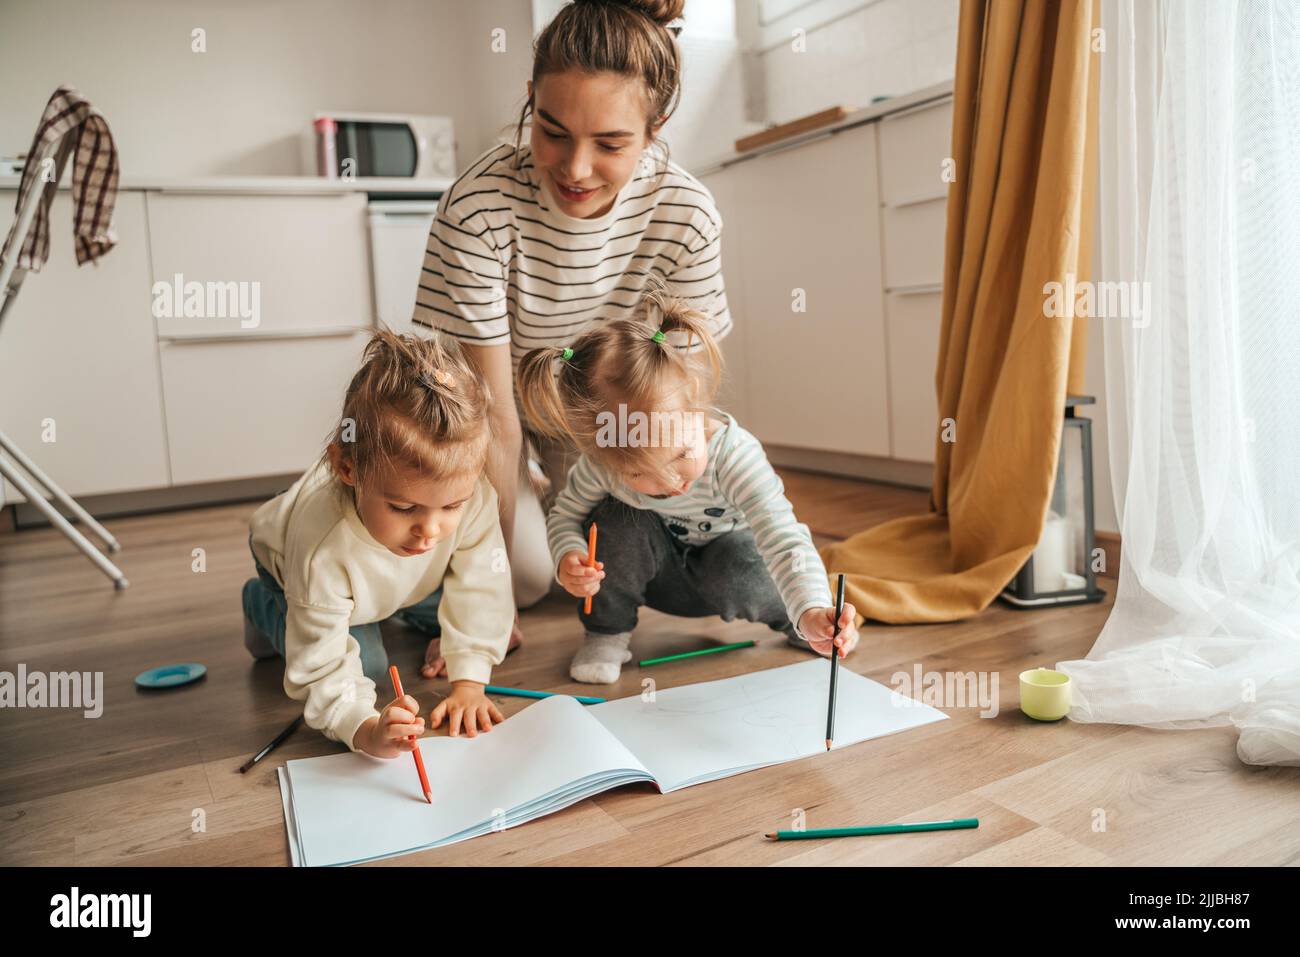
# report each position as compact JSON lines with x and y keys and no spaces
{"x":265,"y":606}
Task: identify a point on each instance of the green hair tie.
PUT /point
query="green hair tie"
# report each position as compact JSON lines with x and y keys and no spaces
{"x":567,"y":354}
{"x":659,"y":335}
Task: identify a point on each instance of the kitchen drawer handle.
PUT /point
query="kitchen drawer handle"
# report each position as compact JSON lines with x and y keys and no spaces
{"x":920,"y":289}
{"x":915,"y":200}
{"x":939,"y":100}
{"x":313,"y":333}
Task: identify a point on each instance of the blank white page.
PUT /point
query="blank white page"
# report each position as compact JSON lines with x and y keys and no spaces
{"x":353,"y":807}
{"x":701,"y":732}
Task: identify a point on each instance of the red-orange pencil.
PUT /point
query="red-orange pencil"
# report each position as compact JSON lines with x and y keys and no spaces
{"x":419,"y":758}
{"x":591,"y":563}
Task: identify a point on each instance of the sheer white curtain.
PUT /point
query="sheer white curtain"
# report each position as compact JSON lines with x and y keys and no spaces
{"x":1200,"y":199}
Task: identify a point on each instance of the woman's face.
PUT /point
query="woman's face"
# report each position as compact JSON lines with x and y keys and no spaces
{"x":588,"y":133}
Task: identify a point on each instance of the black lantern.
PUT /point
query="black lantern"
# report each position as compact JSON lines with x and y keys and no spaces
{"x":1062,"y":570}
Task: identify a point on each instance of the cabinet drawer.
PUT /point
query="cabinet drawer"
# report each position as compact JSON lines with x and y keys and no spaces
{"x":914,"y":321}
{"x":300,"y":263}
{"x":242,"y":409}
{"x":913,"y":146}
{"x":913,"y":241}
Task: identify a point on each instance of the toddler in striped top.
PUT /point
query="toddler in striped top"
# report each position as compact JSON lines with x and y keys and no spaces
{"x":691,"y":518}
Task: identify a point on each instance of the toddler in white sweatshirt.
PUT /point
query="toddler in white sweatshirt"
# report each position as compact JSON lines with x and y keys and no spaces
{"x":396,"y":517}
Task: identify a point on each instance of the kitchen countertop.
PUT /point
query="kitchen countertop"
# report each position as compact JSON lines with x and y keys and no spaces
{"x":395,"y":186}
{"x":867,"y":114}
{"x":290,"y":185}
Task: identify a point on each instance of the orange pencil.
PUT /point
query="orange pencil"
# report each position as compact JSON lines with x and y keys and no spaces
{"x":591,"y":563}
{"x":419,"y":758}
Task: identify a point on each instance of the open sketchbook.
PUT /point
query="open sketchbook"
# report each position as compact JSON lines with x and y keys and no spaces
{"x":349,"y":808}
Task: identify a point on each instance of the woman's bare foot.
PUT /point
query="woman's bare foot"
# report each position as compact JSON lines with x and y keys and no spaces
{"x":435,"y":665}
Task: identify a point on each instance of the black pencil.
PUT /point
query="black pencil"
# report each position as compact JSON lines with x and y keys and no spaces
{"x":835,"y":662}
{"x":278,"y":740}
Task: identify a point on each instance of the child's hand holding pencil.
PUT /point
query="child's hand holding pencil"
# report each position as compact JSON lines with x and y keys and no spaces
{"x":818,"y":626}
{"x":578,"y":578}
{"x":391,"y":733}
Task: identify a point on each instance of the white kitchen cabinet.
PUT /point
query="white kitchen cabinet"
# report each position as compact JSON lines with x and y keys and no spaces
{"x":247,"y":408}
{"x":77,"y":348}
{"x":913,"y":243}
{"x":914,"y":145}
{"x":810,"y":276}
{"x":307,"y":254}
{"x":914,"y":319}
{"x":854,"y":222}
{"x":256,"y":401}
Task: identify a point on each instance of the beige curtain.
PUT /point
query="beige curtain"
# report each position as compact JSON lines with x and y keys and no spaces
{"x":1019,"y":216}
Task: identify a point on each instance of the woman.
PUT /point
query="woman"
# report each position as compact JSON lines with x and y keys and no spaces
{"x":537,"y":240}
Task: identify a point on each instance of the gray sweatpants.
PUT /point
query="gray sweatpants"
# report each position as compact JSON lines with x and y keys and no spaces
{"x":647,"y":566}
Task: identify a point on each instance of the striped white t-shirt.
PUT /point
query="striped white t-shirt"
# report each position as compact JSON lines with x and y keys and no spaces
{"x":503,"y":264}
{"x":738,"y":490}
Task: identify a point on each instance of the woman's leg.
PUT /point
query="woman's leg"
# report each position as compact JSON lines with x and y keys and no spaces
{"x":530,"y":557}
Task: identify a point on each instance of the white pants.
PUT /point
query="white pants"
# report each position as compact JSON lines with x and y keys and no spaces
{"x":531,"y":567}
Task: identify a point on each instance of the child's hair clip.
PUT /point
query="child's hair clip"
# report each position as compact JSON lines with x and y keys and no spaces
{"x":567,"y":354}
{"x":658,"y":336}
{"x":440,"y":376}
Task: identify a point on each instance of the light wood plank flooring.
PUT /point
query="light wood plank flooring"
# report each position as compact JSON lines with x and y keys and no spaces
{"x":124,"y":788}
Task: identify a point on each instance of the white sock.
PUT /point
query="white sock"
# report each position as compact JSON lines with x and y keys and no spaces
{"x":601,"y":658}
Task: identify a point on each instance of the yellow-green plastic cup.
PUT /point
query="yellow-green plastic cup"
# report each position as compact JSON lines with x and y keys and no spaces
{"x":1045,"y":694}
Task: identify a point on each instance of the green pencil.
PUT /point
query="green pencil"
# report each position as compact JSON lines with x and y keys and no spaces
{"x":813,"y":835}
{"x":521,"y":693}
{"x":693,"y":654}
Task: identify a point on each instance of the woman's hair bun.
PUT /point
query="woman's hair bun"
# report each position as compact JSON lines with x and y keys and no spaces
{"x":662,"y":12}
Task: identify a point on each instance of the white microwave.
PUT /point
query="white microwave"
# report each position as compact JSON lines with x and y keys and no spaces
{"x":385,"y":144}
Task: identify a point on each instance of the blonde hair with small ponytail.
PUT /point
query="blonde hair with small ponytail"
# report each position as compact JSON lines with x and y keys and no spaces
{"x":415,"y":403}
{"x":623,"y":361}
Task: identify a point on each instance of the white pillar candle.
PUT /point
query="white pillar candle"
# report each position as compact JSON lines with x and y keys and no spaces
{"x":1052,"y":556}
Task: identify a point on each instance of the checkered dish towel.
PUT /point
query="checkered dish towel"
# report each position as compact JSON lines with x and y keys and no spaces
{"x":69,"y":123}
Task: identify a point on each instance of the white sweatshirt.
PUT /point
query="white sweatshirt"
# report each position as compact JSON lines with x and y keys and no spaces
{"x":335,"y":575}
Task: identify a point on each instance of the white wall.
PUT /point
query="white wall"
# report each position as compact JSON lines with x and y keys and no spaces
{"x":238,"y":108}
{"x":882,"y":48}
{"x":711,"y":116}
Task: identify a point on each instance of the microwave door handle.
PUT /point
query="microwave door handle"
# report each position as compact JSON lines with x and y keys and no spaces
{"x":350,"y":135}
{"x":421,"y":151}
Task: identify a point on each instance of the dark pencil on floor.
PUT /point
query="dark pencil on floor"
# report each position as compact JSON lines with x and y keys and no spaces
{"x":835,"y":662}
{"x":275,"y":743}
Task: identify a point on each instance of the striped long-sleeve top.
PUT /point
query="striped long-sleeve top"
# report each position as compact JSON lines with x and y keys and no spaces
{"x":737,"y":490}
{"x":504,"y":264}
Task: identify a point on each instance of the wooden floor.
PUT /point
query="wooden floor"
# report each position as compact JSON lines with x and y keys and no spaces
{"x":127,"y":787}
